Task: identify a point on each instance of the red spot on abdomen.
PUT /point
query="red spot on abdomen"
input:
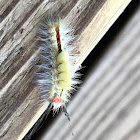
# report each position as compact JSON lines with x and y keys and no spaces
{"x":57,"y":100}
{"x":58,"y":41}
{"x":58,"y":34}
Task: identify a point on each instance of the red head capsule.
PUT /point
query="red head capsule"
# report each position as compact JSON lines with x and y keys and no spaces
{"x":57,"y":100}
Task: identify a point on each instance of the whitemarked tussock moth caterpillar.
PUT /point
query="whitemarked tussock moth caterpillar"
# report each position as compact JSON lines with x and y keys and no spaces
{"x":57,"y":78}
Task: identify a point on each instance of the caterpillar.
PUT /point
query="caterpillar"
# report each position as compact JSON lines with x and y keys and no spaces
{"x":57,"y":77}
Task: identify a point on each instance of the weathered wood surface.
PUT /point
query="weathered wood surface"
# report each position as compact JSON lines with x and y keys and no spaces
{"x":20,"y":104}
{"x":107,"y":107}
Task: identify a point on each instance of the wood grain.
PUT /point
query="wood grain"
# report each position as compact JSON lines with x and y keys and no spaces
{"x":20,"y":104}
{"x":106,"y":107}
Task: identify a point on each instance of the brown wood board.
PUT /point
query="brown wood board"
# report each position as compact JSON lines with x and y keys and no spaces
{"x":20,"y":104}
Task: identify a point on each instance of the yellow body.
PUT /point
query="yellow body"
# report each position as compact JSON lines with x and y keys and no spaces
{"x":57,"y":78}
{"x":64,"y":77}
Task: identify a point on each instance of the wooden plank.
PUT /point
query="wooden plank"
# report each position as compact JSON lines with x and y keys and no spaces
{"x":5,"y":7}
{"x":19,"y":98}
{"x":106,"y":107}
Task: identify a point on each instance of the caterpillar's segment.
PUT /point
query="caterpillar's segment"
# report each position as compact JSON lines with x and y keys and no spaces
{"x":57,"y":74}
{"x":64,"y":76}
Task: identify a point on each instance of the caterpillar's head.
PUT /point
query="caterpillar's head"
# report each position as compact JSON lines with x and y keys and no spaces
{"x":57,"y":103}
